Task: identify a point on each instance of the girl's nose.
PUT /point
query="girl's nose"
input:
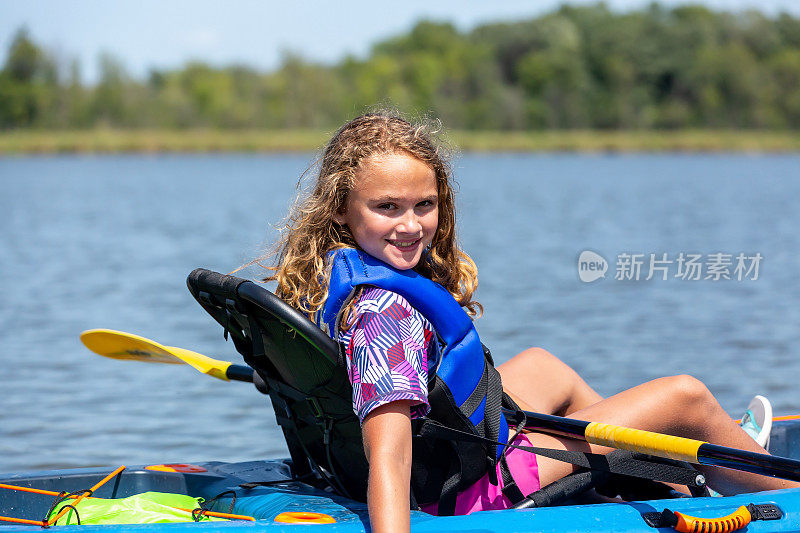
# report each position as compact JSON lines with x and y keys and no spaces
{"x":409,"y":223}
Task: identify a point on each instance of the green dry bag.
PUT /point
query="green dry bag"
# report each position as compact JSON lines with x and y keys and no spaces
{"x":144,"y":508}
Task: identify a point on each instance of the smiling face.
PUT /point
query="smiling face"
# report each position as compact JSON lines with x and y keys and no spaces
{"x":393,"y":209}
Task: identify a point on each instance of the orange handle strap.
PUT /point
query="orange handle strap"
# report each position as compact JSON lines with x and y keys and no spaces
{"x":724,"y":524}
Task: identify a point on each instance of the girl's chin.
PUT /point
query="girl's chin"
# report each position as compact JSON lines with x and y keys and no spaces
{"x":402,"y":264}
{"x":402,"y":260}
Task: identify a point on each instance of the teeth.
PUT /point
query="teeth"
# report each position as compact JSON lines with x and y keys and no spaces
{"x":404,"y":244}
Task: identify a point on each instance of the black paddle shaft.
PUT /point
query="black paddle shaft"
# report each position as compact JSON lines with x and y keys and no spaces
{"x":240,"y":373}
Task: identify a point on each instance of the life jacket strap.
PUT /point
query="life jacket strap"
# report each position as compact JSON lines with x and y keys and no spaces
{"x":477,"y":396}
{"x":448,"y":499}
{"x":493,"y":415}
{"x":510,"y":488}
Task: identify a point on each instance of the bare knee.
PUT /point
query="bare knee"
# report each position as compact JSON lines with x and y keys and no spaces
{"x":533,"y":362}
{"x":690,"y":397}
{"x":538,"y":379}
{"x":688,"y":388}
{"x":537,"y":355}
{"x":539,"y":364}
{"x":545,"y":383}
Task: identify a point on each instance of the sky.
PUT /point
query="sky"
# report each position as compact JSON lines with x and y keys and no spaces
{"x":162,"y":34}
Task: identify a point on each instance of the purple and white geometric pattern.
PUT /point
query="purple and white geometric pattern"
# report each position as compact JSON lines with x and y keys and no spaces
{"x":387,"y":352}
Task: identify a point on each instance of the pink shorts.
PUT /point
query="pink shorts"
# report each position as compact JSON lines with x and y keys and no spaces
{"x":483,"y":496}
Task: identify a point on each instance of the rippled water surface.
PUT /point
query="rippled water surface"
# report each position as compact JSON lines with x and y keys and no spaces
{"x":88,"y":242}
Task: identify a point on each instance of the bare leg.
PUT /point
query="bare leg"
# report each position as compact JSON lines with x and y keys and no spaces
{"x":677,"y":405}
{"x":545,"y":384}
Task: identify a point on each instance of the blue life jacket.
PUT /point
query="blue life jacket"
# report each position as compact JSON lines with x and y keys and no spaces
{"x":461,"y":378}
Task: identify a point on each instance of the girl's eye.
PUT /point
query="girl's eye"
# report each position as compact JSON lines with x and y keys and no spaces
{"x":425,"y":203}
{"x":386,"y":206}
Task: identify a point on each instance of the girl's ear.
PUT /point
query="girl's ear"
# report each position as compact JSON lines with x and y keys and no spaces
{"x":338,"y":217}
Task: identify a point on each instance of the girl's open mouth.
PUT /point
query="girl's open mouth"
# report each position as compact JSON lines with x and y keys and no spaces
{"x":404,"y":245}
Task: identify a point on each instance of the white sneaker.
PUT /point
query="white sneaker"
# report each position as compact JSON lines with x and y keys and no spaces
{"x":757,"y":420}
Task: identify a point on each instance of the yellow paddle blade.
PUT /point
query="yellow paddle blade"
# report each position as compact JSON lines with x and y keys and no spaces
{"x":121,"y":345}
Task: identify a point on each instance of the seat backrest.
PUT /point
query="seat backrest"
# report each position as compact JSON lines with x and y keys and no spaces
{"x":304,"y":376}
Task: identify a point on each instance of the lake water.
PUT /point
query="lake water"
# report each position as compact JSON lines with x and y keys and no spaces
{"x":90,"y":242}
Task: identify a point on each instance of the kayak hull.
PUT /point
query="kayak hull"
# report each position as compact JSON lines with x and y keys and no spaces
{"x":266,"y":502}
{"x":272,"y":492}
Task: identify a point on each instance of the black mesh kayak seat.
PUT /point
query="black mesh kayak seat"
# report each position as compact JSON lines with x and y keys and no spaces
{"x":301,"y":369}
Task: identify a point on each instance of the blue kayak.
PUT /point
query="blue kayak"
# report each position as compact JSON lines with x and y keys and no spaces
{"x":297,"y":365}
{"x":265,"y":490}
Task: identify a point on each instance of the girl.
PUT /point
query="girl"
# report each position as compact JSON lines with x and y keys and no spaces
{"x":383,"y":200}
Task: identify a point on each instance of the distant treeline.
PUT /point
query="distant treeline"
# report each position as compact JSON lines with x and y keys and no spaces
{"x":575,"y":68}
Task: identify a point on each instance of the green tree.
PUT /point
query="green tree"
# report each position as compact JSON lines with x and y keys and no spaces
{"x":109,"y":106}
{"x":727,"y":81}
{"x":28,"y":83}
{"x":785,"y":69}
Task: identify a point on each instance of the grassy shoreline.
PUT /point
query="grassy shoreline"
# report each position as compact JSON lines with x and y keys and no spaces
{"x":202,"y":141}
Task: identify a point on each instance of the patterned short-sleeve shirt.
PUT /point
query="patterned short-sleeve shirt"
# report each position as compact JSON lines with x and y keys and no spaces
{"x":387,"y":350}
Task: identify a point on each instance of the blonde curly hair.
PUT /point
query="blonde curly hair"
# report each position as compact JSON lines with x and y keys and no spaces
{"x":310,"y":232}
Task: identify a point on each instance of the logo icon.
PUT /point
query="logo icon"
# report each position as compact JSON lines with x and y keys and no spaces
{"x":591,"y":266}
